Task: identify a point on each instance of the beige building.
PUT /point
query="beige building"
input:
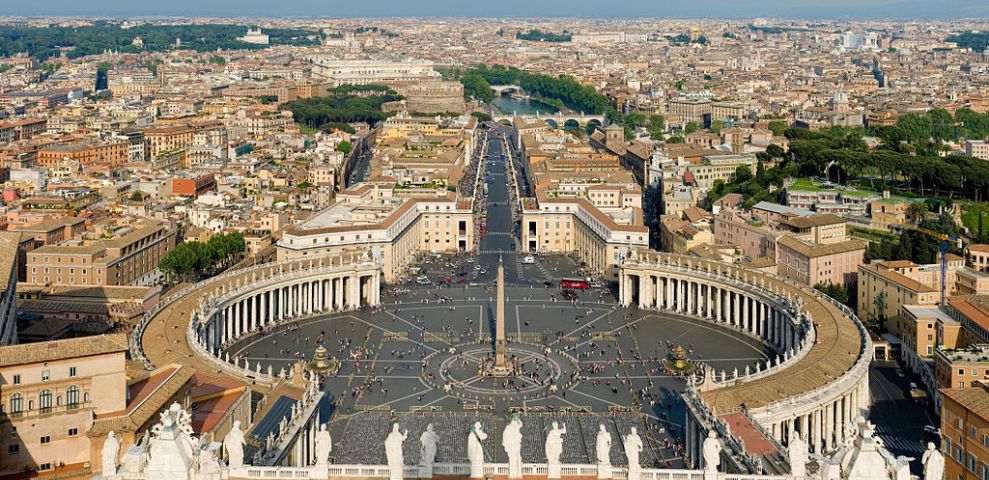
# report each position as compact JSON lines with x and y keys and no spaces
{"x":977,"y":149}
{"x":129,"y":258}
{"x":884,"y":287}
{"x":9,"y":258}
{"x":812,"y":263}
{"x":575,"y":225}
{"x":50,"y":397}
{"x":685,"y":232}
{"x":395,"y":230}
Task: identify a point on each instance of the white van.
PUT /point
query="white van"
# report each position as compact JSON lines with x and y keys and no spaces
{"x":528,"y":259}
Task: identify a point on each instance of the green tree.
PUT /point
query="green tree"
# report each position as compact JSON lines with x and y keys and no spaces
{"x":476,"y":86}
{"x":836,"y":292}
{"x":656,"y":127}
{"x":345,"y":147}
{"x":691,"y":127}
{"x":778,"y":127}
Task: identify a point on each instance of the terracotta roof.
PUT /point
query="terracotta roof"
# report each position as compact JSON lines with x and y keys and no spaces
{"x":899,"y":279}
{"x":139,"y":413}
{"x":814,"y":220}
{"x":974,"y":399}
{"x":62,"y":349}
{"x":979,"y":247}
{"x":974,"y":310}
{"x":755,"y":442}
{"x":820,"y":250}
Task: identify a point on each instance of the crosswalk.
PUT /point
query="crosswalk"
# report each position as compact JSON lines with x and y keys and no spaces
{"x":893,"y":438}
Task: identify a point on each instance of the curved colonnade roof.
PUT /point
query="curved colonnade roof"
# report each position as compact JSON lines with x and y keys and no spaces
{"x":164,"y":339}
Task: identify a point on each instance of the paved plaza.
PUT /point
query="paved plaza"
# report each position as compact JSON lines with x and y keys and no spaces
{"x":419,"y":354}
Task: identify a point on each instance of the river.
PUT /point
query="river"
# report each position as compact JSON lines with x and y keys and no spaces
{"x":509,"y":105}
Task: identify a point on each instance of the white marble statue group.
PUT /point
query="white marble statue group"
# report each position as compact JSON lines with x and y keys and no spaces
{"x":511,"y":441}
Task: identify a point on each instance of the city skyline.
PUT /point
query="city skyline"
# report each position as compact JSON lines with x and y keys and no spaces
{"x":803,"y":9}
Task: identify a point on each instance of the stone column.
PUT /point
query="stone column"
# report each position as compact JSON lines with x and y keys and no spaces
{"x":658,"y":292}
{"x":736,"y":305}
{"x":355,"y":291}
{"x":338,"y":292}
{"x":818,"y":429}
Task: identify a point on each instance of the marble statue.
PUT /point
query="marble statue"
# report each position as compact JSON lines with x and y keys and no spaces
{"x":554,"y":443}
{"x":324,"y":445}
{"x":603,"y":446}
{"x":393,"y":452}
{"x":511,"y":441}
{"x":796,"y":452}
{"x":554,"y":448}
{"x":427,"y":452}
{"x":603,"y":449}
{"x":901,"y":468}
{"x":475,"y":450}
{"x":233,"y":443}
{"x":111,"y":447}
{"x":712,"y":452}
{"x":933,"y":463}
{"x":633,"y":447}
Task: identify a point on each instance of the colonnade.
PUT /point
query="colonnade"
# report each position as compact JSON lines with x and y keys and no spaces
{"x":285,"y":300}
{"x":700,"y":297}
{"x":775,"y":312}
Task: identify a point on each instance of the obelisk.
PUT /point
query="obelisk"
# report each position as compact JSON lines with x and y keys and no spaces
{"x":500,"y":320}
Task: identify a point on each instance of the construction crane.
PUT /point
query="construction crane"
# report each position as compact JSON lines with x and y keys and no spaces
{"x":944,"y":238}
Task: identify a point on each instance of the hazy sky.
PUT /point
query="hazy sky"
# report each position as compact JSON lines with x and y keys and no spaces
{"x":506,"y":8}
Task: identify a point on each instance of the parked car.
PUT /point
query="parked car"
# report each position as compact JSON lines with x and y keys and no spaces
{"x":528,"y":259}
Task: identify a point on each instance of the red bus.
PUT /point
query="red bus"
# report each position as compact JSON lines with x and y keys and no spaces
{"x":575,"y":283}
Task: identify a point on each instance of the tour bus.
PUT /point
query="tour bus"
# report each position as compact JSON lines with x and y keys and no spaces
{"x":575,"y":283}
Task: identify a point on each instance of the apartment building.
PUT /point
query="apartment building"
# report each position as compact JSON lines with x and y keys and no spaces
{"x":978,"y":255}
{"x":961,"y":367}
{"x":10,"y":248}
{"x":807,"y":262}
{"x":926,"y":328}
{"x":883,"y":287}
{"x":690,"y":110}
{"x":106,"y":154}
{"x":686,"y":231}
{"x":977,"y":149}
{"x":574,"y":225}
{"x":130,"y":257}
{"x":965,"y":432}
{"x":50,"y":396}
{"x":168,"y":138}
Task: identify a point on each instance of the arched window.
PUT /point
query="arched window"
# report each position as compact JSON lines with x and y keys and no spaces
{"x":85,"y":397}
{"x":72,"y":396}
{"x":45,"y":400}
{"x":16,"y":403}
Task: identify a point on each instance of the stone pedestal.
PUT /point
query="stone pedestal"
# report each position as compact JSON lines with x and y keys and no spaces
{"x":320,"y":471}
{"x":553,"y":470}
{"x":604,"y":471}
{"x":425,"y":471}
{"x":634,"y":472}
{"x":477,"y":470}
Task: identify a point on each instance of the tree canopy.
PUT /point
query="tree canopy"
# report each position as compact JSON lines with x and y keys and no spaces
{"x":561,"y":91}
{"x":189,"y":259}
{"x":336,"y":109}
{"x":44,"y":42}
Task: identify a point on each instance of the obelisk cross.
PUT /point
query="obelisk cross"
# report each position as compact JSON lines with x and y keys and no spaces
{"x":500,"y":318}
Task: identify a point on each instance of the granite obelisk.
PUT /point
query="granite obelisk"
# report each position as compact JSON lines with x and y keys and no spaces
{"x":500,"y":320}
